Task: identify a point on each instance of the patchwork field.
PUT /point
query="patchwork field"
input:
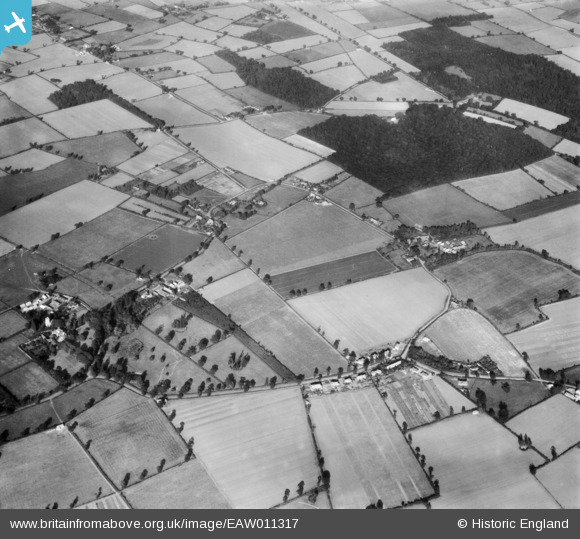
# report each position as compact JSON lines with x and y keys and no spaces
{"x":555,"y":343}
{"x":11,"y":357}
{"x":248,"y":95}
{"x":249,"y":435}
{"x":545,"y":118}
{"x":516,"y":43}
{"x":561,"y":479}
{"x":153,"y":156}
{"x":11,"y":323}
{"x":375,"y":312}
{"x":320,"y":172}
{"x":365,"y":451}
{"x":30,"y":379}
{"x":354,"y":191}
{"x":173,"y":111}
{"x":544,"y":206}
{"x":339,"y":78}
{"x":284,"y":124}
{"x":305,"y":235}
{"x":17,"y":137}
{"x":498,"y":478}
{"x":31,"y":159}
{"x":503,"y":285}
{"x":553,"y":422}
{"x":31,"y":93}
{"x":557,"y":174}
{"x":404,"y":88}
{"x":309,"y":145}
{"x":129,"y":434}
{"x":132,"y":87}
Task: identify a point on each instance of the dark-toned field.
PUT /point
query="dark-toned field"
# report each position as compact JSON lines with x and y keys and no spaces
{"x":540,"y":207}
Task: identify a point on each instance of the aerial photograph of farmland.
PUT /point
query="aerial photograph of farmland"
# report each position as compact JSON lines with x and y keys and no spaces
{"x":290,"y":254}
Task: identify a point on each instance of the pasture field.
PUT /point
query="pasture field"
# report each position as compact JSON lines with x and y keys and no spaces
{"x":29,"y":379}
{"x":186,"y":486}
{"x":66,"y":472}
{"x":10,"y":110}
{"x":375,"y":312}
{"x":129,"y":433}
{"x":149,"y":41}
{"x":116,"y":180}
{"x":567,"y":147}
{"x":516,"y":43}
{"x":463,"y":334}
{"x":79,"y":18}
{"x":555,"y":232}
{"x":91,"y":118}
{"x":174,"y":112}
{"x":338,"y":272}
{"x":557,"y":174}
{"x":545,"y":137}
{"x":192,"y":49}
{"x":221,"y":184}
{"x":149,"y":60}
{"x":504,"y":190}
{"x":216,"y":65}
{"x":320,"y":172}
{"x":309,"y":145}
{"x":289,"y":45}
{"x":67,"y":75}
{"x":305,"y":235}
{"x":209,"y":98}
{"x":249,"y":151}
{"x":184,"y":81}
{"x":284,"y":124}
{"x":106,"y":27}
{"x":555,"y":343}
{"x":31,"y":93}
{"x":414,"y":399}
{"x":498,"y":478}
{"x":29,"y":417}
{"x":556,"y":38}
{"x":11,"y":357}
{"x":5,"y":247}
{"x":361,"y":108}
{"x":553,"y":422}
{"x":365,"y":451}
{"x":561,"y":479}
{"x":110,"y":149}
{"x":160,"y":250}
{"x":214,"y":23}
{"x":249,"y":435}
{"x":114,"y":501}
{"x":137,"y":205}
{"x":431,"y":9}
{"x":35,"y":223}
{"x":268,"y":320}
{"x":224,"y":81}
{"x":184,"y":30}
{"x":232,"y":12}
{"x":441,"y":205}
{"x":339,"y":78}
{"x":318,"y":52}
{"x":326,"y":63}
{"x":154,"y":155}
{"x":542,"y":207}
{"x":17,"y":137}
{"x":545,"y":118}
{"x":277,"y":60}
{"x":248,"y":95}
{"x":11,"y":323}
{"x":100,"y":237}
{"x":503,"y":285}
{"x":515,"y":19}
{"x":235,"y":44}
{"x":354,"y":191}
{"x":132,"y":87}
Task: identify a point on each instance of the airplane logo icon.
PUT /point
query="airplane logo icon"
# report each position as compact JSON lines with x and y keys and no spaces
{"x":17,"y":22}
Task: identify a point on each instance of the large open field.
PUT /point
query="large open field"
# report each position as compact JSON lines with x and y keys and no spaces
{"x":375,"y":312}
{"x":254,"y":445}
{"x":553,"y":422}
{"x":555,"y":343}
{"x":365,"y":451}
{"x":404,"y":88}
{"x":18,"y":136}
{"x":503,"y":285}
{"x":10,"y":323}
{"x":305,"y":235}
{"x":35,"y":223}
{"x":556,"y":173}
{"x":464,"y":335}
{"x":353,"y":191}
{"x":32,"y":159}
{"x":516,"y":43}
{"x":284,"y":124}
{"x":544,"y":206}
{"x":102,"y":236}
{"x":48,"y":468}
{"x":545,"y":118}
{"x":248,"y":150}
{"x":209,"y":98}
{"x":479,"y":466}
{"x":31,"y":93}
{"x":555,"y":232}
{"x":173,"y":111}
{"x":129,"y":434}
{"x":320,"y":172}
{"x":561,"y":478}
{"x":29,"y":379}
{"x":11,"y":357}
{"x":187,"y":486}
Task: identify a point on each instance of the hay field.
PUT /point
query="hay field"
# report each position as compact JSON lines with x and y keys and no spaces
{"x":187,"y":486}
{"x":254,"y":445}
{"x":58,"y":459}
{"x":11,"y":357}
{"x":339,"y":78}
{"x":29,"y":379}
{"x":553,"y":422}
{"x":191,"y":49}
{"x":555,"y":343}
{"x":305,"y":235}
{"x":284,"y":124}
{"x":515,"y":19}
{"x":5,"y":247}
{"x":174,"y":112}
{"x":320,"y":172}
{"x":431,"y":9}
{"x":555,"y":232}
{"x":365,"y":451}
{"x":131,"y":86}
{"x":463,"y":334}
{"x":309,"y":145}
{"x":209,"y":98}
{"x":188,"y":31}
{"x":154,"y":155}
{"x":17,"y":137}
{"x":11,"y":323}
{"x":504,"y":190}
{"x":375,"y":312}
{"x":31,"y":93}
{"x":354,"y":191}
{"x":35,"y":223}
{"x":516,"y":43}
{"x":561,"y":478}
{"x":556,"y":38}
{"x":404,"y":87}
{"x":567,"y":147}
{"x":503,"y":285}
{"x":33,"y":158}
{"x":129,"y":433}
{"x":478,"y":465}
{"x":557,"y":174}
{"x":441,"y":205}
{"x":544,"y":206}
{"x":89,"y":119}
{"x":248,"y":150}
{"x":545,"y":118}
{"x":67,"y":75}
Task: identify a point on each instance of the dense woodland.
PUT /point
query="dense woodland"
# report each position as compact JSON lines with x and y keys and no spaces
{"x":281,"y":82}
{"x":529,"y":78}
{"x":429,"y":146}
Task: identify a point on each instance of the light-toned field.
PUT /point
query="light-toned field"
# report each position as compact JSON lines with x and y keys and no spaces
{"x":555,"y":232}
{"x":556,"y":38}
{"x":505,"y":190}
{"x":442,"y":205}
{"x":561,"y":478}
{"x":545,"y":118}
{"x":326,"y":63}
{"x":339,"y":78}
{"x":284,"y":124}
{"x":557,"y":174}
{"x":249,"y":95}
{"x":479,"y":465}
{"x":209,"y":98}
{"x":183,"y":81}
{"x":192,"y":49}
{"x":221,"y":184}
{"x":463,"y":334}
{"x":5,"y":247}
{"x":33,"y":158}
{"x":397,"y":62}
{"x":18,"y":136}
{"x":555,"y":343}
{"x":368,"y":64}
{"x":362,"y":108}
{"x":320,"y":172}
{"x":375,"y":312}
{"x":404,"y":88}
{"x":392,"y":31}
{"x":553,"y":422}
{"x":565,"y":62}
{"x":365,"y":451}
{"x":515,"y":19}
{"x":159,"y":213}
{"x":431,"y":9}
{"x":11,"y":357}
{"x":47,"y":468}
{"x":147,"y":42}
{"x":35,"y":223}
{"x":309,"y":145}
{"x":31,"y":93}
{"x":567,"y":147}
{"x":187,"y":486}
{"x":10,"y":323}
{"x":67,"y":75}
{"x":503,"y":285}
{"x":288,"y":45}
{"x":89,"y":119}
{"x":303,"y":503}
{"x":224,"y":81}
{"x":254,"y":445}
{"x":114,"y":501}
{"x":129,"y":434}
{"x":248,"y":150}
{"x":355,"y":191}
{"x":10,"y":110}
{"x":131,"y":86}
{"x":174,"y":112}
{"x":516,"y":43}
{"x":266,"y":318}
{"x":153,"y":156}
{"x":188,"y":31}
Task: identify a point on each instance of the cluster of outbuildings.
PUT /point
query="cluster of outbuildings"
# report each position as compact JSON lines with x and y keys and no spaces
{"x":171,"y":287}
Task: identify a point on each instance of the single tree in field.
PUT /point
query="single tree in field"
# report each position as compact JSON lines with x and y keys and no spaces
{"x":506,"y":386}
{"x":300,"y":489}
{"x":126,"y":479}
{"x":74,"y":502}
{"x":286,"y":495}
{"x":351,"y":206}
{"x":554,"y":453}
{"x":161,"y":465}
{"x":144,"y":473}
